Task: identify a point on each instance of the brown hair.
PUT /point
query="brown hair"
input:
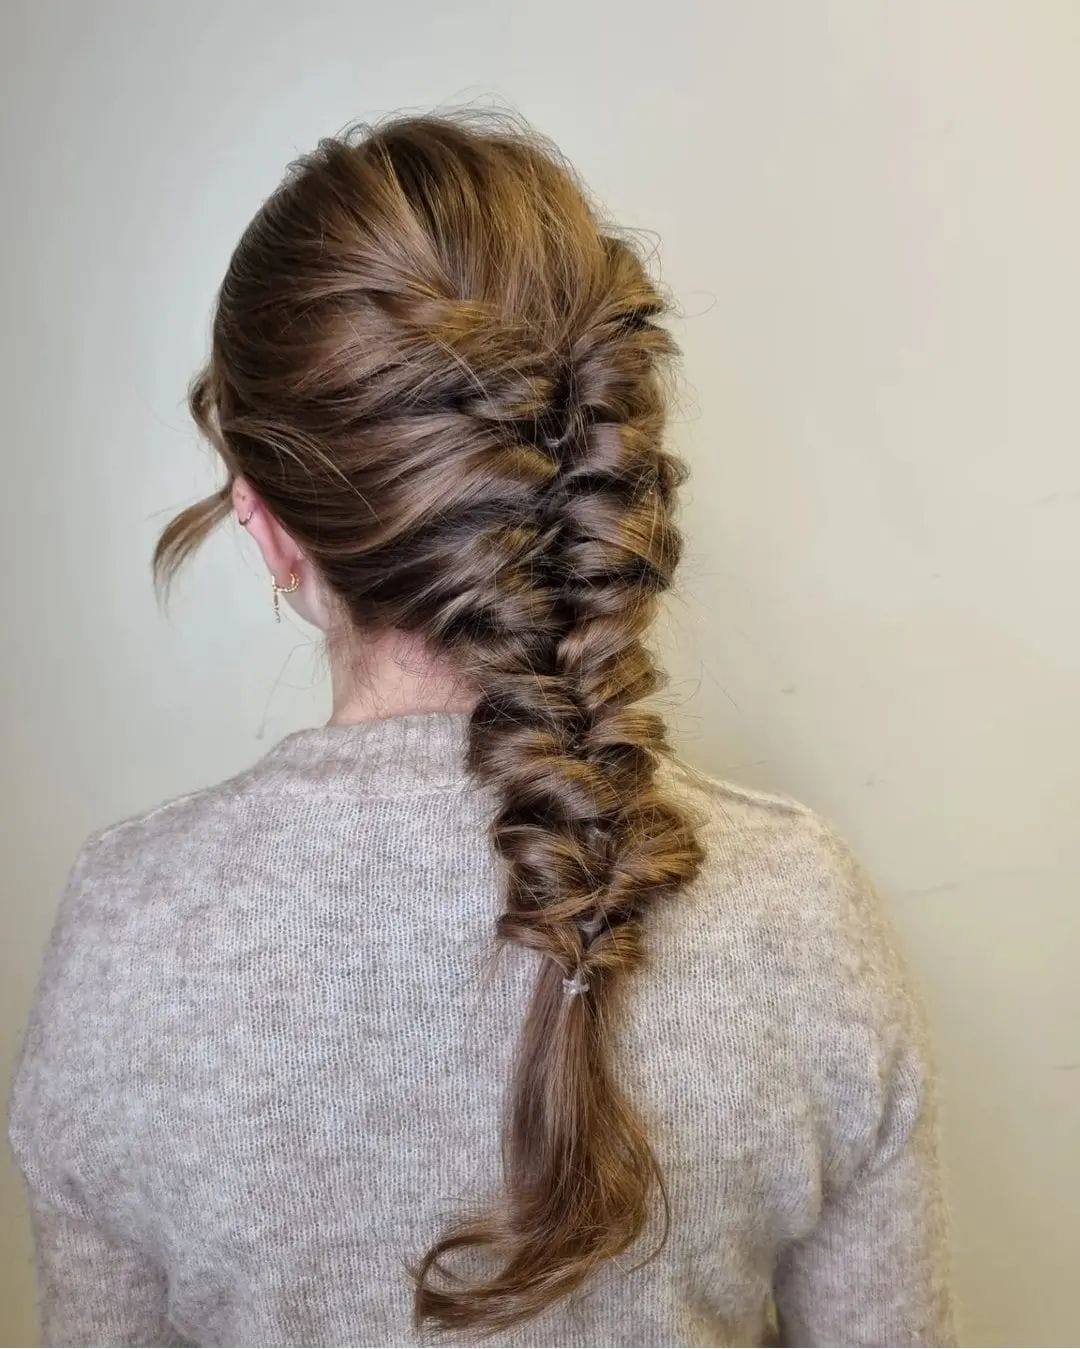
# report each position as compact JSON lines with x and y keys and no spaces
{"x":445,"y":378}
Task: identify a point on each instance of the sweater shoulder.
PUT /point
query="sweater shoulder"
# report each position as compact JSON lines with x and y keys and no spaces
{"x":722,"y":798}
{"x":778,"y":873}
{"x":766,"y":830}
{"x":118,"y":873}
{"x":168,"y":820}
{"x":786,"y":942}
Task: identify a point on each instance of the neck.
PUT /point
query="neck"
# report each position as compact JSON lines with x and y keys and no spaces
{"x":391,"y":675}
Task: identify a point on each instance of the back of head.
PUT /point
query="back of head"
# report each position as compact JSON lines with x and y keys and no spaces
{"x":446,"y":380}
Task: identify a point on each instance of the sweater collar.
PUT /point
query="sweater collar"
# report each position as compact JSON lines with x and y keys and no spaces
{"x":393,"y":756}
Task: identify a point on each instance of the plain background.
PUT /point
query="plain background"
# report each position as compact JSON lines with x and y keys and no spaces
{"x":870,"y":215}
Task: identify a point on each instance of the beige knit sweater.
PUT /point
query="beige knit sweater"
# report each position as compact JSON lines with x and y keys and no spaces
{"x":270,"y":1042}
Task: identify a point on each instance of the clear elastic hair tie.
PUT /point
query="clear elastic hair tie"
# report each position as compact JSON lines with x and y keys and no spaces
{"x":576,"y":985}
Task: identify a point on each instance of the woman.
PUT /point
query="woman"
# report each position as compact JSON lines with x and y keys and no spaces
{"x":264,"y":1087}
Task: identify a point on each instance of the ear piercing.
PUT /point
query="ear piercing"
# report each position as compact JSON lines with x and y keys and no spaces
{"x":294,"y":584}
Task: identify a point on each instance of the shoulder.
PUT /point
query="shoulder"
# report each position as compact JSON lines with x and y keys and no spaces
{"x":781,"y":887}
{"x":775,"y":1015}
{"x":777,"y":845}
{"x":738,"y":811}
{"x":122,"y":887}
{"x":781,"y":963}
{"x":166,"y":824}
{"x":115,"y":916}
{"x":176,"y":838}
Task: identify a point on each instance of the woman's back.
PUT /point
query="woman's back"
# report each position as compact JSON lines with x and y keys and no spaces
{"x":270,"y":1056}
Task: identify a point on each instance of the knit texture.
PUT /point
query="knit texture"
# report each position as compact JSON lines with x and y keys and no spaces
{"x":268,"y":1054}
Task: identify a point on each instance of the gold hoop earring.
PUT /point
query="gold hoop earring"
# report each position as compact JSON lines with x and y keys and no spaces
{"x":294,"y":584}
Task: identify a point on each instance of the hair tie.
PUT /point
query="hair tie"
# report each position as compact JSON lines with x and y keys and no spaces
{"x":578,"y":984}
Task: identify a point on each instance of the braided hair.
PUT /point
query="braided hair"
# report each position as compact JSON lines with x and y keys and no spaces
{"x":446,"y":380}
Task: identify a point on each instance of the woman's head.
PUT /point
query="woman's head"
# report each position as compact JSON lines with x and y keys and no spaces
{"x":437,"y":381}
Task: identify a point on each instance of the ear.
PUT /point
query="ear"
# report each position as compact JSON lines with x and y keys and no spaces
{"x":281,"y":553}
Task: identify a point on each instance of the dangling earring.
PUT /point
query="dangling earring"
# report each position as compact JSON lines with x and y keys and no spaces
{"x":294,"y":584}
